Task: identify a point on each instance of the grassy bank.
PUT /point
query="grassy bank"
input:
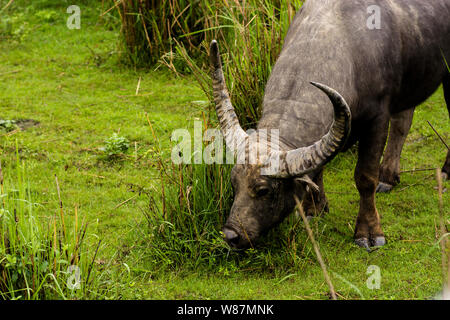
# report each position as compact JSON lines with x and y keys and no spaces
{"x":71,"y":85}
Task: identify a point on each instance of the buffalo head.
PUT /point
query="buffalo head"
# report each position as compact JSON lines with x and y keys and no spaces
{"x":264,"y":197}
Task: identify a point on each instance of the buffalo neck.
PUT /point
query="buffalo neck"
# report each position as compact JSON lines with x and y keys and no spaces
{"x":315,"y":50}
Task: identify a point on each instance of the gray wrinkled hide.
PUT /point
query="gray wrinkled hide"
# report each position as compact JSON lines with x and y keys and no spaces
{"x":329,"y":42}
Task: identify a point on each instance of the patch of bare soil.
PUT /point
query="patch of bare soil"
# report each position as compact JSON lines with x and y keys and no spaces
{"x":26,"y":123}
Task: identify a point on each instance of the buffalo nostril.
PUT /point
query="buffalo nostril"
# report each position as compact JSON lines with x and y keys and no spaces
{"x":231,"y":237}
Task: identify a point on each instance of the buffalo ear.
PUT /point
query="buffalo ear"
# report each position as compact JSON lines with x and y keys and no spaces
{"x":310,"y":185}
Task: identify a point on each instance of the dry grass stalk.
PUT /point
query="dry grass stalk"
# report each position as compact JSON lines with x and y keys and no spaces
{"x":112,"y":8}
{"x":124,"y":202}
{"x":92,"y":265}
{"x":54,"y":246}
{"x":417,"y":170}
{"x":7,"y":5}
{"x":316,"y":248}
{"x":138,"y":86}
{"x":1,"y":184}
{"x":443,"y":231}
{"x":161,"y":169}
{"x":61,"y":211}
{"x":76,"y":230}
{"x":439,"y":136}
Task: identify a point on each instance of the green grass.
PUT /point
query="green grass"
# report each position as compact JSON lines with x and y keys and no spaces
{"x":41,"y":254}
{"x":70,"y":81}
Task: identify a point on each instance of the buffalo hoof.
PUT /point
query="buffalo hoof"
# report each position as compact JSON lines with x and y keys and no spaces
{"x":378,"y":241}
{"x":384,"y":187}
{"x":373,"y":242}
{"x":363,"y":243}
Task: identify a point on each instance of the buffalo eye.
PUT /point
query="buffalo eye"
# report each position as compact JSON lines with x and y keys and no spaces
{"x":262,"y":191}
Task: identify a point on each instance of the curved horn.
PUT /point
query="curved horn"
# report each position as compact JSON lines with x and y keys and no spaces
{"x":304,"y":160}
{"x":231,"y":130}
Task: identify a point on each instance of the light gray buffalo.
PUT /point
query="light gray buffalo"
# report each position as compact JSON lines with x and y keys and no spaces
{"x":337,"y":81}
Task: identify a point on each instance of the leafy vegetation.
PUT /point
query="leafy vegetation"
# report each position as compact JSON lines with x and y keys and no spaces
{"x":8,"y":125}
{"x":115,"y":146}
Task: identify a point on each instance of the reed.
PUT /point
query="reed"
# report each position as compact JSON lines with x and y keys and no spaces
{"x":149,"y":27}
{"x":42,"y":256}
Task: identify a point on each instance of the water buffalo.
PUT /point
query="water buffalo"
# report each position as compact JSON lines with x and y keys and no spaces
{"x":371,"y":77}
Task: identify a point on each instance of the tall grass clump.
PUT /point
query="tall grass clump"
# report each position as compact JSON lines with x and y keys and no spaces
{"x":149,"y":27}
{"x":42,"y":255}
{"x":185,"y":215}
{"x":183,"y":226}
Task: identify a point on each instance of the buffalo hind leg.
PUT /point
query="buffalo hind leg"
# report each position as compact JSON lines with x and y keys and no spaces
{"x":390,"y":167}
{"x":368,"y":230}
{"x":315,"y":202}
{"x":446,"y":168}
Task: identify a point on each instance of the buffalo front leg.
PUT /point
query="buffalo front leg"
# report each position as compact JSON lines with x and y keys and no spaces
{"x":446,"y":168}
{"x":368,"y":230}
{"x":390,"y":167}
